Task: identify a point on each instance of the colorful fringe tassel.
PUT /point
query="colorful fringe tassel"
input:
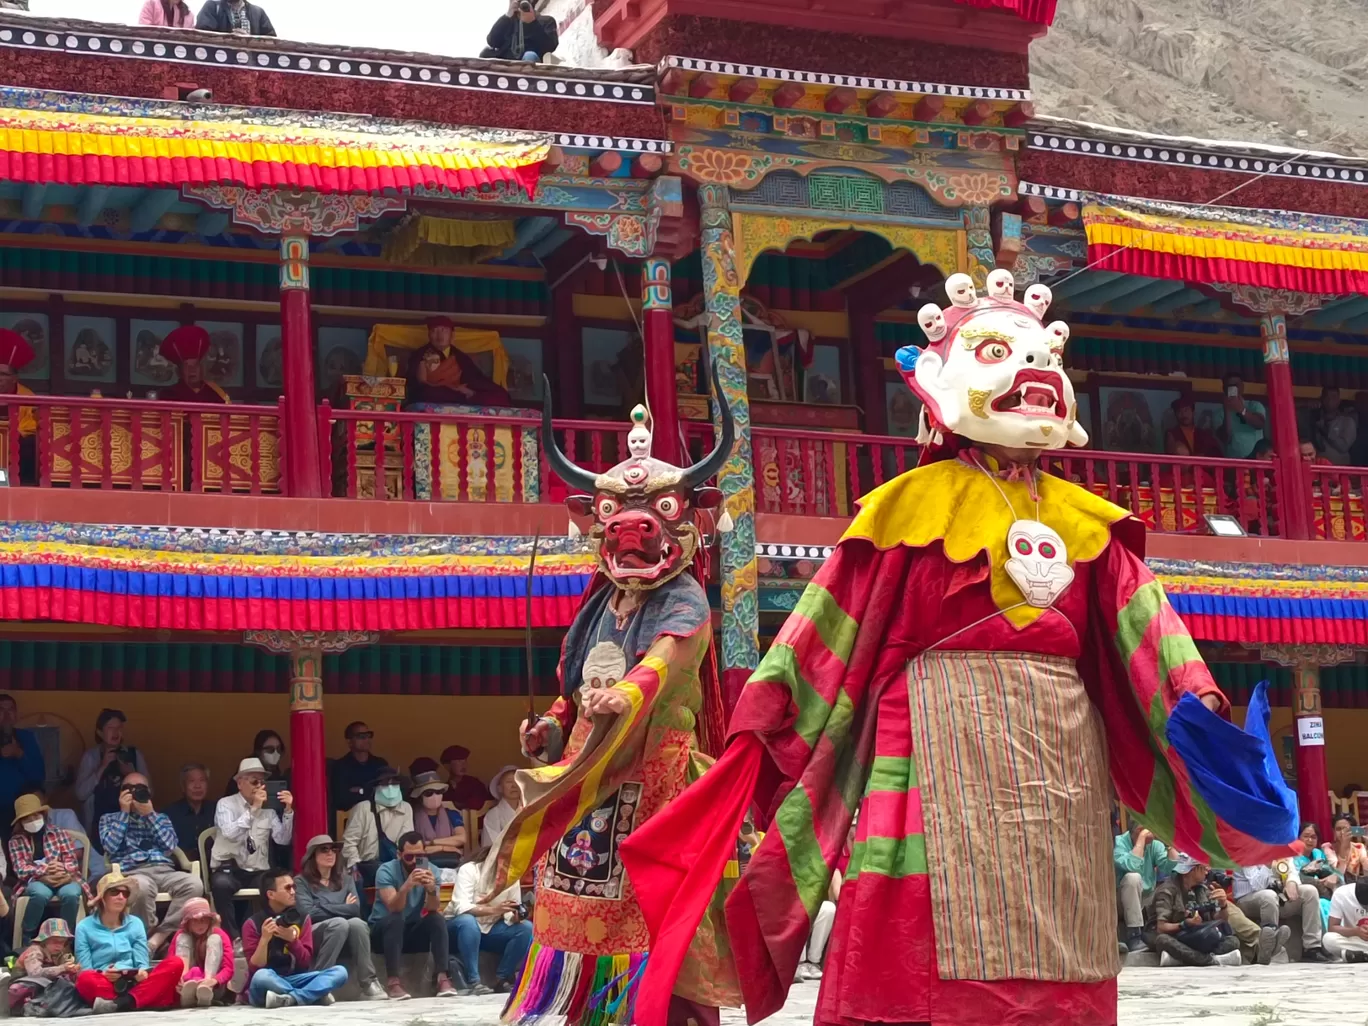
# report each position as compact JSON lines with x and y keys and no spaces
{"x":578,"y":990}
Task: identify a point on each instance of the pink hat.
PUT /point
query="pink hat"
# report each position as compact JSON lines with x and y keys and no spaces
{"x":197,"y":908}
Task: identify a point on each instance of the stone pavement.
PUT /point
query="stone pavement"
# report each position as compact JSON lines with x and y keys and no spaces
{"x":1278,"y":995}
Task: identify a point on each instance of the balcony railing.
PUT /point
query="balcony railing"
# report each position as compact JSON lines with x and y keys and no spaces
{"x":1337,"y":499}
{"x":141,"y":445}
{"x":131,"y":444}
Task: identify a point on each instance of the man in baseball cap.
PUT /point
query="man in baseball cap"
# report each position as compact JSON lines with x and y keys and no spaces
{"x":1191,"y":927}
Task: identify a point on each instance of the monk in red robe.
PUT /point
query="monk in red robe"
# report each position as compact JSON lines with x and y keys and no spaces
{"x":186,"y":347}
{"x":15,"y":355}
{"x":441,"y":373}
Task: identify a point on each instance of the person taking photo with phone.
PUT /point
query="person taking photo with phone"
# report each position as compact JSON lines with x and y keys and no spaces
{"x":522,"y":34}
{"x":246,"y":828}
{"x":140,"y":840}
{"x":1243,"y":421}
{"x":407,"y":915}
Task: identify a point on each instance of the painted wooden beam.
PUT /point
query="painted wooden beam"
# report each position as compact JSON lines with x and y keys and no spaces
{"x":148,"y":211}
{"x":91,"y":203}
{"x":212,"y":223}
{"x":1336,"y":313}
{"x":1151,"y":293}
{"x":1085,"y":281}
{"x":33,"y":201}
{"x":1107,"y":292}
{"x":1177,"y":301}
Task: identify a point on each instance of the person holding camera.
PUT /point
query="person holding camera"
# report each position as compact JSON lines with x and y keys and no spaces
{"x":246,"y":827}
{"x":1191,"y":927}
{"x":111,"y":949}
{"x":1268,"y":899}
{"x":279,"y":943}
{"x":499,"y":925}
{"x":139,"y":839}
{"x":100,"y":775}
{"x":407,"y":916}
{"x":522,"y":34}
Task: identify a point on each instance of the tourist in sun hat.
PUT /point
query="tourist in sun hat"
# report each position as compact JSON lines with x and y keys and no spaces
{"x":207,"y":953}
{"x":48,"y":958}
{"x":375,"y":825}
{"x":504,"y":787}
{"x":115,"y":941}
{"x":46,"y":864}
{"x":442,"y":828}
{"x":327,"y":894}
{"x":246,"y":828}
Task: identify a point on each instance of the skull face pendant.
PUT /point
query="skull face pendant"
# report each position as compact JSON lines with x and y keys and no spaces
{"x":1037,"y":563}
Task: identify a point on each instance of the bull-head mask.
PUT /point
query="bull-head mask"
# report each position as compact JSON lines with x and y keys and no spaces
{"x":643,"y":508}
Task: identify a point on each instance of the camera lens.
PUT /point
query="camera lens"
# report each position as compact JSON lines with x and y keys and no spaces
{"x":141,"y":793}
{"x":525,"y":6}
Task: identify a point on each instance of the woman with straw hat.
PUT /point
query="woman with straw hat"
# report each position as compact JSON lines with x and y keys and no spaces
{"x":206,"y":951}
{"x":47,"y":864}
{"x":111,"y":946}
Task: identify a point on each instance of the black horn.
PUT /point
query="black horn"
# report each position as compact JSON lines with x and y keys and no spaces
{"x":577,"y":478}
{"x":712,"y":463}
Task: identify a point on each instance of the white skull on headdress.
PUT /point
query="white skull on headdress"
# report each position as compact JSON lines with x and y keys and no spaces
{"x":1038,"y":562}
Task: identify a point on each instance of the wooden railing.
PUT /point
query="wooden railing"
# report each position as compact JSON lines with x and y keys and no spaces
{"x":138,"y":444}
{"x":1337,"y":501}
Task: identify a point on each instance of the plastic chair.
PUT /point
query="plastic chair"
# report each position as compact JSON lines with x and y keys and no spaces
{"x":21,"y":903}
{"x":206,"y":869}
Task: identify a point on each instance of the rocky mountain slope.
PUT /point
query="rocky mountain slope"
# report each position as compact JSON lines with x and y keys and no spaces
{"x":1289,"y":72}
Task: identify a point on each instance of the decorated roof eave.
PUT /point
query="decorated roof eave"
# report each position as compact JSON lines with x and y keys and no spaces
{"x":633,"y":85}
{"x":1084,"y":139}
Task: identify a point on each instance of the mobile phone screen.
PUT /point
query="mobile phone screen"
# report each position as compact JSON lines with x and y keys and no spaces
{"x":273,"y":789}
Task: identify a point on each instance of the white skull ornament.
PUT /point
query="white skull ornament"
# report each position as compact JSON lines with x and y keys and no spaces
{"x":995,"y":373}
{"x":1000,"y":284}
{"x":639,"y":438}
{"x":1037,"y":563}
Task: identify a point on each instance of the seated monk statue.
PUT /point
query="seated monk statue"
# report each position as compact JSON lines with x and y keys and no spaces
{"x":441,"y":373}
{"x":186,"y":347}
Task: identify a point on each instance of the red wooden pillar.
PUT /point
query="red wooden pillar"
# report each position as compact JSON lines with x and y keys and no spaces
{"x":298,"y":430}
{"x":662,"y":393}
{"x":1313,"y":780}
{"x":1294,"y":486}
{"x":309,"y":761}
{"x":869,"y":371}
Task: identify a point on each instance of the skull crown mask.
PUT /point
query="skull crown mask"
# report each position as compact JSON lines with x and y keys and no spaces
{"x":993,"y":371}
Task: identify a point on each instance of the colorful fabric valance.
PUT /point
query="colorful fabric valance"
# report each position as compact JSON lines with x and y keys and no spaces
{"x":426,"y":241}
{"x":202,"y":580}
{"x":56,"y":146}
{"x":1227,"y":245}
{"x":1254,"y":603}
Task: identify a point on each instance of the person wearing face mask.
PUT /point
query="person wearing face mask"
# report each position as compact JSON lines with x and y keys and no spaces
{"x":442,"y":828}
{"x":270,"y":749}
{"x":46,"y":863}
{"x":375,"y":826}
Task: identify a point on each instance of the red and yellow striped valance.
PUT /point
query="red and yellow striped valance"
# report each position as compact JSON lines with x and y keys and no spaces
{"x":44,"y":146}
{"x":1228,"y":245}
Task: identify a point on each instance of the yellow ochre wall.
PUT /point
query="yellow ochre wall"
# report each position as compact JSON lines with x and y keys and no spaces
{"x":217,"y":729}
{"x":1344,"y":733}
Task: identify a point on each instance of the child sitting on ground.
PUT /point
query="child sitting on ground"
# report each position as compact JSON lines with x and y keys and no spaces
{"x":207,"y":953}
{"x":48,"y":958}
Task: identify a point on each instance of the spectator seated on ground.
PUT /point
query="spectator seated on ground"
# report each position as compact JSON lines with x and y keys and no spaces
{"x":1138,"y":859}
{"x":100,"y":774}
{"x":206,"y":954}
{"x":1190,"y":927}
{"x":194,"y":813}
{"x":1268,"y":899}
{"x":1313,"y":868}
{"x":139,"y":840}
{"x":21,"y":760}
{"x":463,"y":790}
{"x":1345,"y":853}
{"x":499,"y":925}
{"x":503,"y":787}
{"x":327,"y":895}
{"x":1258,"y":945}
{"x":115,"y":941}
{"x":522,"y":34}
{"x":351,"y":777}
{"x":442,"y":828}
{"x":1347,"y":935}
{"x":46,"y":864}
{"x":405,"y":915}
{"x":48,"y":958}
{"x":246,"y":828}
{"x":279,"y":944}
{"x":375,"y":826}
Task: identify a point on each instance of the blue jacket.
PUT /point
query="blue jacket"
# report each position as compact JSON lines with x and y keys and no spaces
{"x":21,"y":775}
{"x":98,"y":947}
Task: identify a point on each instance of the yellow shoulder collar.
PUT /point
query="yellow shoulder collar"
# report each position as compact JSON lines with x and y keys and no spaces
{"x":957,"y":505}
{"x":220,"y":392}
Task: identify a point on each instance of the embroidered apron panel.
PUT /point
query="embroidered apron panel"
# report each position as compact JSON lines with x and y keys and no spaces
{"x":1016,"y":798}
{"x":585,"y":862}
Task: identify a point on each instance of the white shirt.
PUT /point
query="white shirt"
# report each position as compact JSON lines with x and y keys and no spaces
{"x":237,"y":824}
{"x":495,"y":822}
{"x":1344,"y":906}
{"x":1253,"y":878}
{"x":360,"y":842}
{"x":466,"y":895}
